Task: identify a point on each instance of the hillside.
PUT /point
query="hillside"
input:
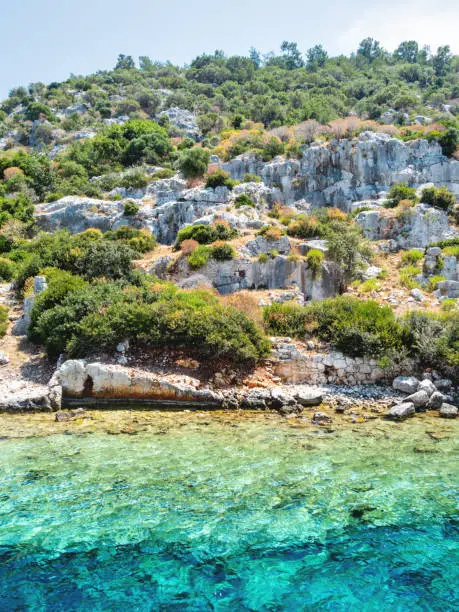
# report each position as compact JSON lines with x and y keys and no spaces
{"x":202,"y":209}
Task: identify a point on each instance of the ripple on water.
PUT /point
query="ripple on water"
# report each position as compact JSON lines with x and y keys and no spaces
{"x":268,"y":515}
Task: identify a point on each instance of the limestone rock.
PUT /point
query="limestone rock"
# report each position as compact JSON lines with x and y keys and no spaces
{"x":420,"y":399}
{"x":406,"y":384}
{"x":448,"y":411}
{"x":308,"y":397}
{"x":436,"y":400}
{"x":427,"y":386}
{"x":401,"y":411}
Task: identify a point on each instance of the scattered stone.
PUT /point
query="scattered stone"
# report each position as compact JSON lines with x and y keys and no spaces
{"x":407,"y":384}
{"x":320,"y":418}
{"x":309,"y":397}
{"x":417,"y":294}
{"x":448,"y":411}
{"x":4,"y":359}
{"x":401,"y":411}
{"x":63,"y":417}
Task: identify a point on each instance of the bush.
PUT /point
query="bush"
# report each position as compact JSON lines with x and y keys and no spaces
{"x":399,"y":192}
{"x":193,"y":163}
{"x":101,"y":315}
{"x":407,"y":275}
{"x":222,"y":251}
{"x":244,"y":200}
{"x":131,"y":208}
{"x":263,"y":258}
{"x":305,"y":226}
{"x":199,"y":257}
{"x":219,"y":178}
{"x":349,"y":250}
{"x":439,"y":197}
{"x":433,"y":339}
{"x":189,"y":246}
{"x":134,"y":180}
{"x":355,"y":327}
{"x":7,"y":269}
{"x":4,"y":321}
{"x":314,"y":259}
{"x":369,"y":285}
{"x":251,"y":178}
{"x":205,"y":234}
{"x":433,"y":282}
{"x":412,"y":257}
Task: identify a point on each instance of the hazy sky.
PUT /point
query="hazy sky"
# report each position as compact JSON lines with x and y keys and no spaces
{"x":47,"y":40}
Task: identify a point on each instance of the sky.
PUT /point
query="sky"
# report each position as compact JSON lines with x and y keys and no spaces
{"x":47,"y":40}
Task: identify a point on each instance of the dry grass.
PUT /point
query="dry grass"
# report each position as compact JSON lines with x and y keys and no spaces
{"x":246,"y":302}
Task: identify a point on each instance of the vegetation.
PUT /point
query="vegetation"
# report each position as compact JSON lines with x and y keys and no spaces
{"x":3,"y":320}
{"x":398,"y":193}
{"x":74,"y":316}
{"x":440,"y":197}
{"x":363,"y":327}
{"x":315,"y":258}
{"x":205,"y":234}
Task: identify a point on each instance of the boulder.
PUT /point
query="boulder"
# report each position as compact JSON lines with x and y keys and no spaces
{"x":417,"y":294}
{"x":4,"y":359}
{"x":444,"y":384}
{"x":448,"y":411}
{"x":308,"y":397}
{"x":427,"y":386}
{"x":436,"y":400}
{"x":420,"y":399}
{"x":401,"y":411}
{"x":406,"y":384}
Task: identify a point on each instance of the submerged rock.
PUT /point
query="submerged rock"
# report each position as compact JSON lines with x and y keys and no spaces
{"x":448,"y":411}
{"x":401,"y":411}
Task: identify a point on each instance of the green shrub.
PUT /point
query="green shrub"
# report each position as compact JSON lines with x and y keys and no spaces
{"x":251,"y":178}
{"x":433,"y":339}
{"x":399,"y":192}
{"x":164,"y":173}
{"x":355,"y":327}
{"x":7,"y":269}
{"x":4,"y":321}
{"x":440,"y":197}
{"x":449,"y":305}
{"x":222,"y":251}
{"x":369,"y":285}
{"x":193,"y":163}
{"x":433,"y":282}
{"x":263,"y":258}
{"x":199,"y":257}
{"x":407,"y":275}
{"x":314,"y":259}
{"x":244,"y":200}
{"x":451,"y":251}
{"x":412,"y":257}
{"x":134,"y":180}
{"x":131,"y":208}
{"x":205,"y":234}
{"x":99,"y":316}
{"x":219,"y":178}
{"x":305,"y":226}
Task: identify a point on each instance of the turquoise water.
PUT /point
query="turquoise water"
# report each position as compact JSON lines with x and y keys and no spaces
{"x":213,"y":513}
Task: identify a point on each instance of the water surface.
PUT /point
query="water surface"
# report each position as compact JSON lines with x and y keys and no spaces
{"x":225,"y":512}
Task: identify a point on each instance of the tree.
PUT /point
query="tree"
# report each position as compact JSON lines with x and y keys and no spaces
{"x":145,"y":63}
{"x":124,"y":62}
{"x":442,"y":60}
{"x":407,"y":51}
{"x":292,"y":55}
{"x":193,"y":162}
{"x":370,"y":49}
{"x":255,"y":56}
{"x":316,"y":57}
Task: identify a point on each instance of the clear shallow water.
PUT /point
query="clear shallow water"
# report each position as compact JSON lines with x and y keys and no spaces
{"x":209,"y":513}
